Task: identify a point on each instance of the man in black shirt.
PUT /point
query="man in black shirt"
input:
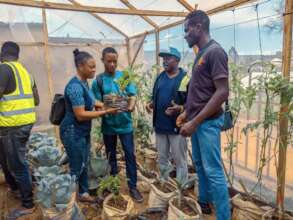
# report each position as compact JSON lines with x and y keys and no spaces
{"x":203,"y":118}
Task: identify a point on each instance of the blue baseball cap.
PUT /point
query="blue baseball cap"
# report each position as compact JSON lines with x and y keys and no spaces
{"x":170,"y":52}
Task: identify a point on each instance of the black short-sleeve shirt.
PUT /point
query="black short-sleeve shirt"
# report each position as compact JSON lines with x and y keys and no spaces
{"x":213,"y":65}
{"x":7,"y":79}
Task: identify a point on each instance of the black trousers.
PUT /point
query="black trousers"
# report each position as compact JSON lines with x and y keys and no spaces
{"x":13,"y":161}
{"x":129,"y":151}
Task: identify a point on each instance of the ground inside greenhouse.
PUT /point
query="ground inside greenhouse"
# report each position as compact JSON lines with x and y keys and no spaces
{"x":92,"y":212}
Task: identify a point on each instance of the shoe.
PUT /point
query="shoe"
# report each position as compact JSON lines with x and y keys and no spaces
{"x":136,"y":195}
{"x":85,"y":197}
{"x":18,"y":212}
{"x":205,"y":208}
{"x":14,"y":193}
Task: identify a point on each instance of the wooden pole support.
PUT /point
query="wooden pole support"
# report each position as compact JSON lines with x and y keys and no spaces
{"x":138,"y":49}
{"x":128,"y":52}
{"x":48,"y":63}
{"x":93,"y":9}
{"x":157,"y":35}
{"x":283,"y":123}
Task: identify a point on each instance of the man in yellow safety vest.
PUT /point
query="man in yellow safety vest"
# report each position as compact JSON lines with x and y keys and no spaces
{"x":18,"y":98}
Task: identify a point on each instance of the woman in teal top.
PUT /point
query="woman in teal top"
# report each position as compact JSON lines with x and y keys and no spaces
{"x":119,"y":124}
{"x":75,"y":128}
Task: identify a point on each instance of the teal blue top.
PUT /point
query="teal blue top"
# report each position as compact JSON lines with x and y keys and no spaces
{"x":120,"y":123}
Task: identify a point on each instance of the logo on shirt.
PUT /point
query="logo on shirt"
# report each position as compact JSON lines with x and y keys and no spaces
{"x":201,"y":61}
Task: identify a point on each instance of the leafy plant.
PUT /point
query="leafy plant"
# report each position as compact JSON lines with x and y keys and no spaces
{"x":55,"y":191}
{"x":165,"y":171}
{"x":143,"y":130}
{"x":97,"y":132}
{"x":129,"y":76}
{"x":39,"y":139}
{"x":141,"y":120}
{"x":240,"y":95}
{"x":272,"y":85}
{"x":110,"y":183}
{"x":181,"y":185}
{"x":44,"y":156}
{"x":46,"y":172}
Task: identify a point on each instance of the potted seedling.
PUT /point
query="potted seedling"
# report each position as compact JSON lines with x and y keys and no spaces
{"x":146,"y":177}
{"x":115,"y":205}
{"x":120,"y":100}
{"x":98,"y":167}
{"x":181,"y":206}
{"x":56,"y":195}
{"x":162,"y":190}
{"x":151,"y":213}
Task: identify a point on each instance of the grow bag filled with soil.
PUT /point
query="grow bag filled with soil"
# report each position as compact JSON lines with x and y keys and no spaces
{"x":116,"y":101}
{"x":151,"y":214}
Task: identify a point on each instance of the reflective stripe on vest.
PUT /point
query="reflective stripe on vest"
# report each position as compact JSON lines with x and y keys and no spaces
{"x":184,"y":83}
{"x":18,"y":108}
{"x":17,"y":112}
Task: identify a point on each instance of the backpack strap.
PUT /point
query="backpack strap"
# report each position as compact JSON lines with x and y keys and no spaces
{"x":100,"y":83}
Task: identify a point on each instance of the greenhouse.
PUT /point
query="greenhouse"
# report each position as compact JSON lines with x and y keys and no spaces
{"x":175,"y":158}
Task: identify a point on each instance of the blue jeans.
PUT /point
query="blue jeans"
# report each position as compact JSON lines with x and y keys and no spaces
{"x":128,"y":148}
{"x":13,"y":161}
{"x":206,"y":152}
{"x":78,"y":150}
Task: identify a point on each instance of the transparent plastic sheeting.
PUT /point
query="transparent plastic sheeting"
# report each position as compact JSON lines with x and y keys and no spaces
{"x":79,"y":25}
{"x":20,"y":24}
{"x":61,"y":61}
{"x":68,"y":23}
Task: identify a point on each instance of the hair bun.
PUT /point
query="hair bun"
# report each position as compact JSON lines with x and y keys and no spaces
{"x":76,"y":52}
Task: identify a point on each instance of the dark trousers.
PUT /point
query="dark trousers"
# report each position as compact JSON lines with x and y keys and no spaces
{"x":13,"y":161}
{"x":128,"y":148}
{"x":78,"y":149}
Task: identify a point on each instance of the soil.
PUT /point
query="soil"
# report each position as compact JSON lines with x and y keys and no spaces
{"x":115,"y":101}
{"x":191,"y":170}
{"x":166,"y":187}
{"x":253,"y":199}
{"x":91,"y":211}
{"x":148,"y":174}
{"x":189,"y":193}
{"x":150,"y":216}
{"x":185,"y":207}
{"x":119,"y":203}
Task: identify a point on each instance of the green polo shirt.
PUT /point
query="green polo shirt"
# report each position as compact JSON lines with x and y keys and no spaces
{"x":120,"y":123}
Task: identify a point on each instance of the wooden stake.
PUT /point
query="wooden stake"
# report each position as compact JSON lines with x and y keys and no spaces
{"x":148,"y":20}
{"x":47,"y":55}
{"x":227,"y":6}
{"x":157,"y":50}
{"x":138,"y":49}
{"x":128,"y":52}
{"x":48,"y":64}
{"x":82,"y":8}
{"x":186,"y":5}
{"x":74,"y":2}
{"x":283,"y":123}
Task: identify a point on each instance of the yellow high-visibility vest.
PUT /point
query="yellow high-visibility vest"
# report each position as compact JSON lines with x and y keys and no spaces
{"x":18,"y":107}
{"x":184,"y":83}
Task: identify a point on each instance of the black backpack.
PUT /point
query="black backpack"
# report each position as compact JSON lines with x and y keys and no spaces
{"x":57,"y":109}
